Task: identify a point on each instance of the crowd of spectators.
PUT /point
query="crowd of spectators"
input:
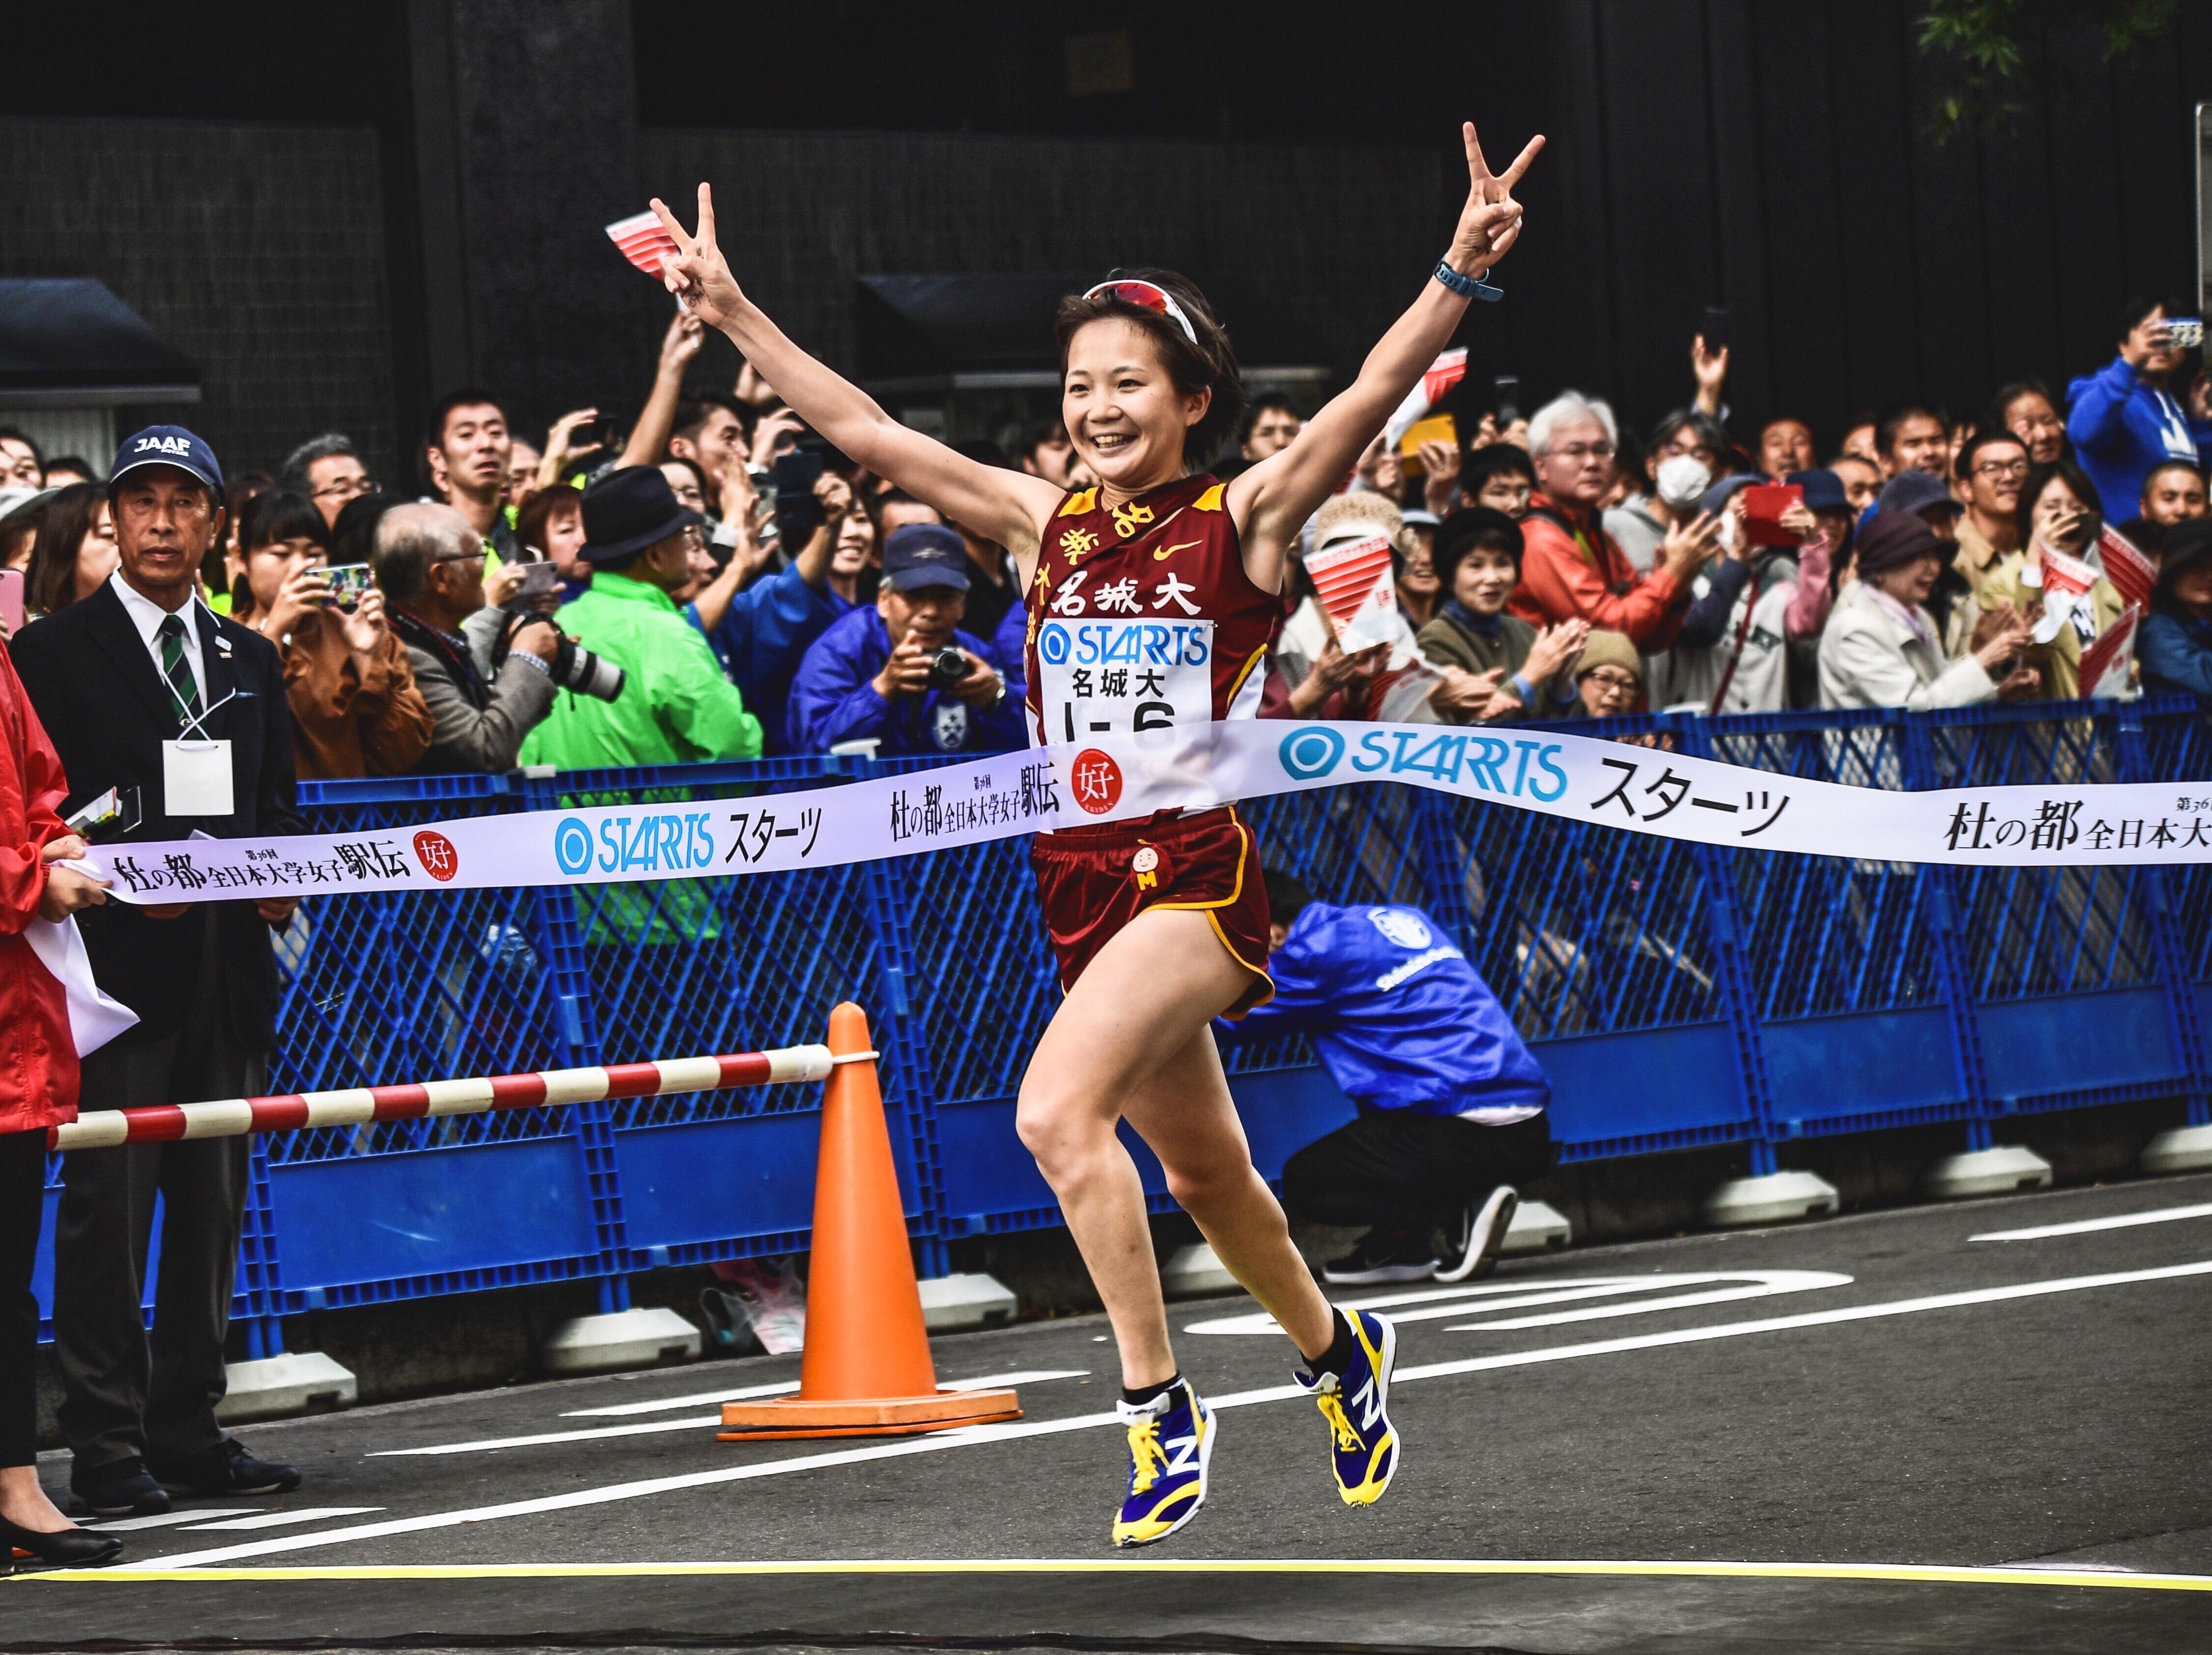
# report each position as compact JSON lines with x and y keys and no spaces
{"x":716,"y":583}
{"x":760,"y":594}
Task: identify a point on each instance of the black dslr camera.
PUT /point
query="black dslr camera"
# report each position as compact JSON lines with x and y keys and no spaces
{"x":573,"y":667}
{"x":948,"y":666}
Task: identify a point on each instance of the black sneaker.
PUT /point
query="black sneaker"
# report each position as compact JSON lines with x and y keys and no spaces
{"x":227,"y":1468}
{"x":1471,"y":1248}
{"x":124,"y":1488}
{"x":1383,"y":1255}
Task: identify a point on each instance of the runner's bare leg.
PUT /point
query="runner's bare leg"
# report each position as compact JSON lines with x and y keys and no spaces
{"x":1131,"y":1038}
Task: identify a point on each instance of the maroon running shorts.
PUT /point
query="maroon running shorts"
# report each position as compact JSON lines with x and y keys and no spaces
{"x":1094,"y":880}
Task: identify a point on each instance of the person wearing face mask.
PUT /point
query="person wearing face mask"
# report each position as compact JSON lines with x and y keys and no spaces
{"x":2130,"y":415}
{"x":1881,"y":648}
{"x":1686,"y":452}
{"x":2057,"y":525}
{"x":1513,"y":671}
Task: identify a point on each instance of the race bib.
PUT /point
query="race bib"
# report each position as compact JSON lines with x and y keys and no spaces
{"x":1100,"y":677}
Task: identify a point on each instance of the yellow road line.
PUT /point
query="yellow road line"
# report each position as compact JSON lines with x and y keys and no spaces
{"x":1908,"y":1574}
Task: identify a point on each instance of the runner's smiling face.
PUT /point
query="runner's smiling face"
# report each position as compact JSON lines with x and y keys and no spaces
{"x":1124,"y":414}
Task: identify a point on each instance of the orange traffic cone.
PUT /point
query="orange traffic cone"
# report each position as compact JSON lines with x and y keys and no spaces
{"x":866,"y":1372}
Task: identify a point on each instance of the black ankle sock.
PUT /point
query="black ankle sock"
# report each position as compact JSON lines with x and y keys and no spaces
{"x":1338,"y":1357}
{"x":1144,"y":1394}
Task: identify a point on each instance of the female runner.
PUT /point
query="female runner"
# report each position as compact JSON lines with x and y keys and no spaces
{"x":1160,"y":924}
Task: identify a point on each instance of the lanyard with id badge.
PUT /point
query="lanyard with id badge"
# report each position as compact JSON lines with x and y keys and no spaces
{"x":196,"y":779}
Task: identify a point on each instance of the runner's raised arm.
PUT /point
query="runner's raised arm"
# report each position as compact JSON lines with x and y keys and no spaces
{"x":1004,"y":506}
{"x":1272,"y":501}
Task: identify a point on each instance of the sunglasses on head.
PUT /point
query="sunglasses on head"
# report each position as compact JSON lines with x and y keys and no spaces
{"x":1146,"y":295}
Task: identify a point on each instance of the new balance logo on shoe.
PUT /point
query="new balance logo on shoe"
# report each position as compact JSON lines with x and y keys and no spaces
{"x":1183,"y":1453}
{"x":1368,"y":1404}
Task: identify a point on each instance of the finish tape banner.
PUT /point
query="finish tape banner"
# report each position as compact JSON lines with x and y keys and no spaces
{"x":1577,"y":778}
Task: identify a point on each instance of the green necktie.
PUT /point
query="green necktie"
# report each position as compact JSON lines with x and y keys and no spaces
{"x":179,"y":672}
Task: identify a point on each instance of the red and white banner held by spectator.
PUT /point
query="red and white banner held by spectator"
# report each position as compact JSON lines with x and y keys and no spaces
{"x":1441,"y":375}
{"x":2105,"y":663}
{"x":1358,"y":592}
{"x":645,"y":241}
{"x":2133,"y":575}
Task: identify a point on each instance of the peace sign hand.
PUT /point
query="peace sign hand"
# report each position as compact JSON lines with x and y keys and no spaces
{"x":697,"y":275}
{"x":1490,"y":222}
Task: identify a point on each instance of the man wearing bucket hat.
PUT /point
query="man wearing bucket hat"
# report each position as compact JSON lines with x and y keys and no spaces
{"x":675,"y":706}
{"x":144,"y":690}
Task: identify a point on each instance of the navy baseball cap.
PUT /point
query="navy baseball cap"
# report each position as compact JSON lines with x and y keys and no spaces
{"x":926,"y":554}
{"x":1915,"y":491}
{"x":1824,"y":490}
{"x":167,"y":445}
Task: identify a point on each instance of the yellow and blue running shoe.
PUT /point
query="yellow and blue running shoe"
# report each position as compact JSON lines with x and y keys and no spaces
{"x":1363,"y":1444}
{"x":1171,"y":1440}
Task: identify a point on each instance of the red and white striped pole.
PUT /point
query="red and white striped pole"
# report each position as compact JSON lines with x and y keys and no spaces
{"x":106,"y":1128}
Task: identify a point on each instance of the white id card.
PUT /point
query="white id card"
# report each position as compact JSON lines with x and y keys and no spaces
{"x":196,"y":779}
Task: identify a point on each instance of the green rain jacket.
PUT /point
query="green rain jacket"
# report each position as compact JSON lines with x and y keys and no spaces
{"x":676,"y":708}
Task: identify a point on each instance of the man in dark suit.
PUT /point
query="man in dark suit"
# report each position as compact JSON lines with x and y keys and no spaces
{"x":140,"y":685}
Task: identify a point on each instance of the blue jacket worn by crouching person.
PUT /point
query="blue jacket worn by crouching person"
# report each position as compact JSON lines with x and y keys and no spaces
{"x":834,"y":699}
{"x":2121,"y":429}
{"x":1399,"y":1017}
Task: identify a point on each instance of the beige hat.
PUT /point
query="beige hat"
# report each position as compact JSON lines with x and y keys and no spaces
{"x":1610,"y":649}
{"x":1359,"y":516}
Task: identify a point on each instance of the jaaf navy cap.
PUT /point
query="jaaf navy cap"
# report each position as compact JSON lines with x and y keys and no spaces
{"x":167,"y":445}
{"x":925,"y":554}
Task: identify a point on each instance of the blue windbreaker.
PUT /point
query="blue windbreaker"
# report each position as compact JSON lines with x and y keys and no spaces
{"x":833,"y":699}
{"x":2121,"y":429}
{"x":1399,"y":1017}
{"x":761,"y":640}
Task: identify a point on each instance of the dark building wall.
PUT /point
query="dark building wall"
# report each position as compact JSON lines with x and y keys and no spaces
{"x":1339,"y":239}
{"x":258,"y":251}
{"x":526,"y":139}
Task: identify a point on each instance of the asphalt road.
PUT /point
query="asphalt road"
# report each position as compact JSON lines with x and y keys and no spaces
{"x":1925,"y":1440}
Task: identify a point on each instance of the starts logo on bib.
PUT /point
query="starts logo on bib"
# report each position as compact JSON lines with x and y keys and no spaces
{"x":436,"y":854}
{"x":1096,"y":781}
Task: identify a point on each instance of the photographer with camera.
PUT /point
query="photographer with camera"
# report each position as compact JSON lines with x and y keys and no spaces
{"x":902,"y":674}
{"x":355,"y":710}
{"x":430,"y":567}
{"x":640,"y":685}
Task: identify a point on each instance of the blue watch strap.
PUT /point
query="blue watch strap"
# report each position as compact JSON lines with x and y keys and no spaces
{"x":1467,"y":286}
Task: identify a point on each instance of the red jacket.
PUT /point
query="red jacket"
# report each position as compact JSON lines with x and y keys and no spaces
{"x":1563,"y":577}
{"x":38,"y":1054}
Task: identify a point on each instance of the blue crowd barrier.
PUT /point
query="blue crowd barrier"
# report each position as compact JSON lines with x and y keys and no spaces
{"x":1677,"y":995}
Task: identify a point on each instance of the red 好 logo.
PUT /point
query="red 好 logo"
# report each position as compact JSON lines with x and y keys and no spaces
{"x":436,"y":854}
{"x":1096,"y":780}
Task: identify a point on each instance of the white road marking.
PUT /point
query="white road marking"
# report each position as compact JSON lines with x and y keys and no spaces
{"x":486,"y":1445}
{"x":286,"y":1519}
{"x":691,"y":1422}
{"x":702,"y":1398}
{"x":2125,"y":1220}
{"x":695,"y":1399}
{"x":167,"y":1519}
{"x":1434,"y":1303}
{"x":975,"y":1436}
